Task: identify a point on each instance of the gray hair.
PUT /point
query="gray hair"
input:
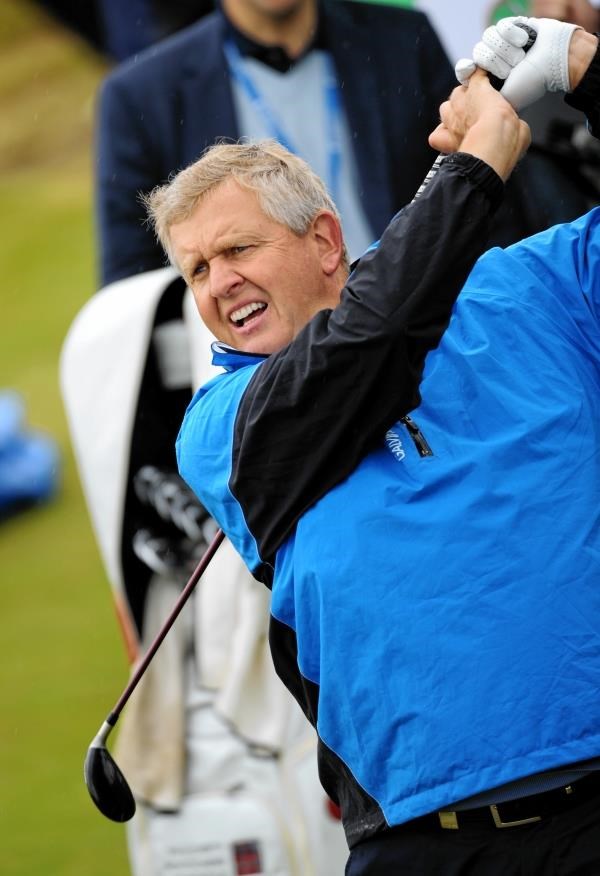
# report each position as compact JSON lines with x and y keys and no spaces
{"x":288,"y":191}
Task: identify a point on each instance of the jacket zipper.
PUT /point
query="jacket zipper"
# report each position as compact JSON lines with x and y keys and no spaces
{"x":417,"y":436}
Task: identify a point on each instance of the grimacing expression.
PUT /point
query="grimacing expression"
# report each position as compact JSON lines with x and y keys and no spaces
{"x":255,"y":282}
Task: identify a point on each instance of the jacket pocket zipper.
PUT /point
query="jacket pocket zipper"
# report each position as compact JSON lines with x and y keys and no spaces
{"x":417,"y":436}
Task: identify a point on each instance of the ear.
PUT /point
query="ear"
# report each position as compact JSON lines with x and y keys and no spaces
{"x":327,"y":234}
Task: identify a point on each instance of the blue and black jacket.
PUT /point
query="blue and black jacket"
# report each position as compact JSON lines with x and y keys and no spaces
{"x":428,"y":517}
{"x":263,"y":443}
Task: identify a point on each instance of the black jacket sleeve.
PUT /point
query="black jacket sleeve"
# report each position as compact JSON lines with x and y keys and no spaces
{"x":314,"y":409}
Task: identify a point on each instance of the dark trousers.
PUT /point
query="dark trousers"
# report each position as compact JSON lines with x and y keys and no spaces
{"x":567,"y":844}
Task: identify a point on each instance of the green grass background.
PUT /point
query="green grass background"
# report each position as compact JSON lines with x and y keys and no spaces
{"x":63,"y":664}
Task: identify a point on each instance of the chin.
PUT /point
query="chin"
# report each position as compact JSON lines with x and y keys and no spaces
{"x":263,"y":346}
{"x":279,"y":9}
{"x":261,"y":349}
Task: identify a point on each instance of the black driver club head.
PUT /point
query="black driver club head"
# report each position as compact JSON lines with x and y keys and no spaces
{"x":105,"y":782}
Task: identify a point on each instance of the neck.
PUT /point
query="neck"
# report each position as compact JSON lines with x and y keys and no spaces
{"x":292,"y":27}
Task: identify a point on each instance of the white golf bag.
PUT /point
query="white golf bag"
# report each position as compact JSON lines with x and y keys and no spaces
{"x":220,"y":759}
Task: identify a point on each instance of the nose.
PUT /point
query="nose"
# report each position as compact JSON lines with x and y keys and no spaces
{"x":223,"y":279}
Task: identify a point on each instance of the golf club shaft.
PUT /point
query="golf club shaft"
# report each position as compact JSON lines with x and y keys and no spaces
{"x":170,"y":620}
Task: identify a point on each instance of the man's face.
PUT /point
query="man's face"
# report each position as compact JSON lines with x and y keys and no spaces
{"x":255,"y":282}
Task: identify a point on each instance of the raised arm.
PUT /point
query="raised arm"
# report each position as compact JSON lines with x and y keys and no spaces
{"x":311,"y":412}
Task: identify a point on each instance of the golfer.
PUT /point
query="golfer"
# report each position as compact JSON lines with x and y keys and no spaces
{"x":426,"y":514}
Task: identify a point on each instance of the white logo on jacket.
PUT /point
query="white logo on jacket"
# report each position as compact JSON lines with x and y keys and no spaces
{"x":394,"y":443}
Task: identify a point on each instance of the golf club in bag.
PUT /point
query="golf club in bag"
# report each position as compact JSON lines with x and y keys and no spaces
{"x":105,"y":782}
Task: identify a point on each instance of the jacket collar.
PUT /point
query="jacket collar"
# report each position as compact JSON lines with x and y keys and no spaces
{"x":231,"y":359}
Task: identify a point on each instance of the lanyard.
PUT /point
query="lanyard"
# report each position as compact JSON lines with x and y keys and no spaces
{"x":333,"y":112}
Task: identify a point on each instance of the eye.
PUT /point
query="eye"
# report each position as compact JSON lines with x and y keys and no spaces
{"x":199,"y":269}
{"x":236,"y":250}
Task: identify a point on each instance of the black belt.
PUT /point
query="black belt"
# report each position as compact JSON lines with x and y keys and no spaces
{"x":514,"y":813}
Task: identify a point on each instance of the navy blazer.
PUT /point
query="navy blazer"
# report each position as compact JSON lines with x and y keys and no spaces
{"x":161,"y":109}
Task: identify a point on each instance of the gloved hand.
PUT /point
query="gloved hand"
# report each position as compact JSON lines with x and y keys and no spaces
{"x":545,"y":67}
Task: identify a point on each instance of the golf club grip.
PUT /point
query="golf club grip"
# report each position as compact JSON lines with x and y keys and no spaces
{"x":497,"y":84}
{"x":172,"y":617}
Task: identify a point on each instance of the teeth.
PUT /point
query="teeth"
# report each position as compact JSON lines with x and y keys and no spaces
{"x":238,"y":316}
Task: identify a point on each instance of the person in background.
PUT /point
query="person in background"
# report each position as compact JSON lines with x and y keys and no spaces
{"x":353,"y":88}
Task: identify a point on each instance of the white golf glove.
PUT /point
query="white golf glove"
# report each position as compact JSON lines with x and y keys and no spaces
{"x":545,"y":67}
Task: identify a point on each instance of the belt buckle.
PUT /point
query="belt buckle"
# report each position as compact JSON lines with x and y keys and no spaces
{"x":499,"y":823}
{"x":448,"y":819}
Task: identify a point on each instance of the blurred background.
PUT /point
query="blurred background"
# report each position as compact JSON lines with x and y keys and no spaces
{"x":63,"y":662}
